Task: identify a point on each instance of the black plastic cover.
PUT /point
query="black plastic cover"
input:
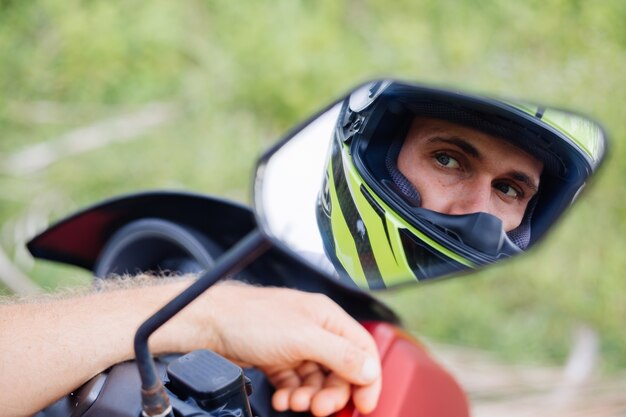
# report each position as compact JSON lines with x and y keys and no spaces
{"x":203,"y":374}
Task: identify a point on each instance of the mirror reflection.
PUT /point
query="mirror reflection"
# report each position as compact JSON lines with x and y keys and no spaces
{"x":399,"y":183}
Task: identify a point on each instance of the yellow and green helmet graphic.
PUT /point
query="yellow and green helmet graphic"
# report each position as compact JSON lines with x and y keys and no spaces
{"x":370,"y":242}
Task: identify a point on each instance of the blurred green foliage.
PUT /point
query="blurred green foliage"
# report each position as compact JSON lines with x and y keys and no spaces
{"x":240,"y":74}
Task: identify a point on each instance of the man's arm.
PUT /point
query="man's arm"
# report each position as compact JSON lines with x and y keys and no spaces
{"x":48,"y":348}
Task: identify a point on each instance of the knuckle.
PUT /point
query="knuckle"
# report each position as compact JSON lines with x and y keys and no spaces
{"x":317,"y":302}
{"x":321,"y":298}
{"x":327,"y":304}
{"x":351,"y":358}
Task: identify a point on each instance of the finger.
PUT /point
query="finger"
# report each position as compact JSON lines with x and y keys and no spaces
{"x":358,"y":366}
{"x":311,"y":383}
{"x":280,"y":399}
{"x":333,"y":397}
{"x":307,"y":368}
{"x":300,"y":398}
{"x":365,"y":398}
{"x":342,"y":324}
{"x":287,"y":378}
{"x":284,"y":382}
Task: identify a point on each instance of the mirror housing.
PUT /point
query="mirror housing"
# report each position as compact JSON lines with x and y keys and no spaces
{"x":339,"y":193}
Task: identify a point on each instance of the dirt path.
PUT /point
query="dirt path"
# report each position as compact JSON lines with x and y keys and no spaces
{"x":498,"y":389}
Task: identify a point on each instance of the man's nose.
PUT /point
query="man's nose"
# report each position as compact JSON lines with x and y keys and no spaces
{"x":473,"y":200}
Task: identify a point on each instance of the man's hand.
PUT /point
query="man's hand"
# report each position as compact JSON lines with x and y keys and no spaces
{"x":312,"y":351}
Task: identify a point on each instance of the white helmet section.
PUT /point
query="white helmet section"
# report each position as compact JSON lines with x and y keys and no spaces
{"x":290,"y":184}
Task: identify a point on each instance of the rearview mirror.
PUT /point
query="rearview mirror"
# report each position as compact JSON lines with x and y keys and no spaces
{"x":397,"y":183}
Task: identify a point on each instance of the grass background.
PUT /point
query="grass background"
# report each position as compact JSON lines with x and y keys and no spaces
{"x":240,"y":74}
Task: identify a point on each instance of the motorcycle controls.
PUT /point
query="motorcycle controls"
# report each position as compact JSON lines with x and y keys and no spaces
{"x":215,"y":384}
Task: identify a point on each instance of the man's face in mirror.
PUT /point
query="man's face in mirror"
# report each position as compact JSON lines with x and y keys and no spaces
{"x":459,"y":170}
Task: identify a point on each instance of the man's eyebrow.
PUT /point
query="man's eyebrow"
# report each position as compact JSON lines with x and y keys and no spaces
{"x":465,"y":146}
{"x":520,"y":176}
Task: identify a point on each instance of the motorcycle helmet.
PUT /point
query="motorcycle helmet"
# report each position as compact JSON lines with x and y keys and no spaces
{"x":373,"y":227}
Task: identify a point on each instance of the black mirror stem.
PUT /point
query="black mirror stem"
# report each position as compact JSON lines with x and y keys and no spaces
{"x":155,"y":402}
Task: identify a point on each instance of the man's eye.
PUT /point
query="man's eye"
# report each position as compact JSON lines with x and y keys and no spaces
{"x":447,"y":161}
{"x":508,"y":190}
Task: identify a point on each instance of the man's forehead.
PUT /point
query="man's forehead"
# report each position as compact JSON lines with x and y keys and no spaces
{"x":428,"y":124}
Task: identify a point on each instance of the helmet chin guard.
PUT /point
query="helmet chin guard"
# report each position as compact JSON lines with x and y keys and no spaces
{"x":480,"y":231}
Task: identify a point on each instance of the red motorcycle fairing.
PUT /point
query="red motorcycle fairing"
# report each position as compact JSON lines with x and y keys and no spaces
{"x":79,"y":239}
{"x":414,"y":385}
